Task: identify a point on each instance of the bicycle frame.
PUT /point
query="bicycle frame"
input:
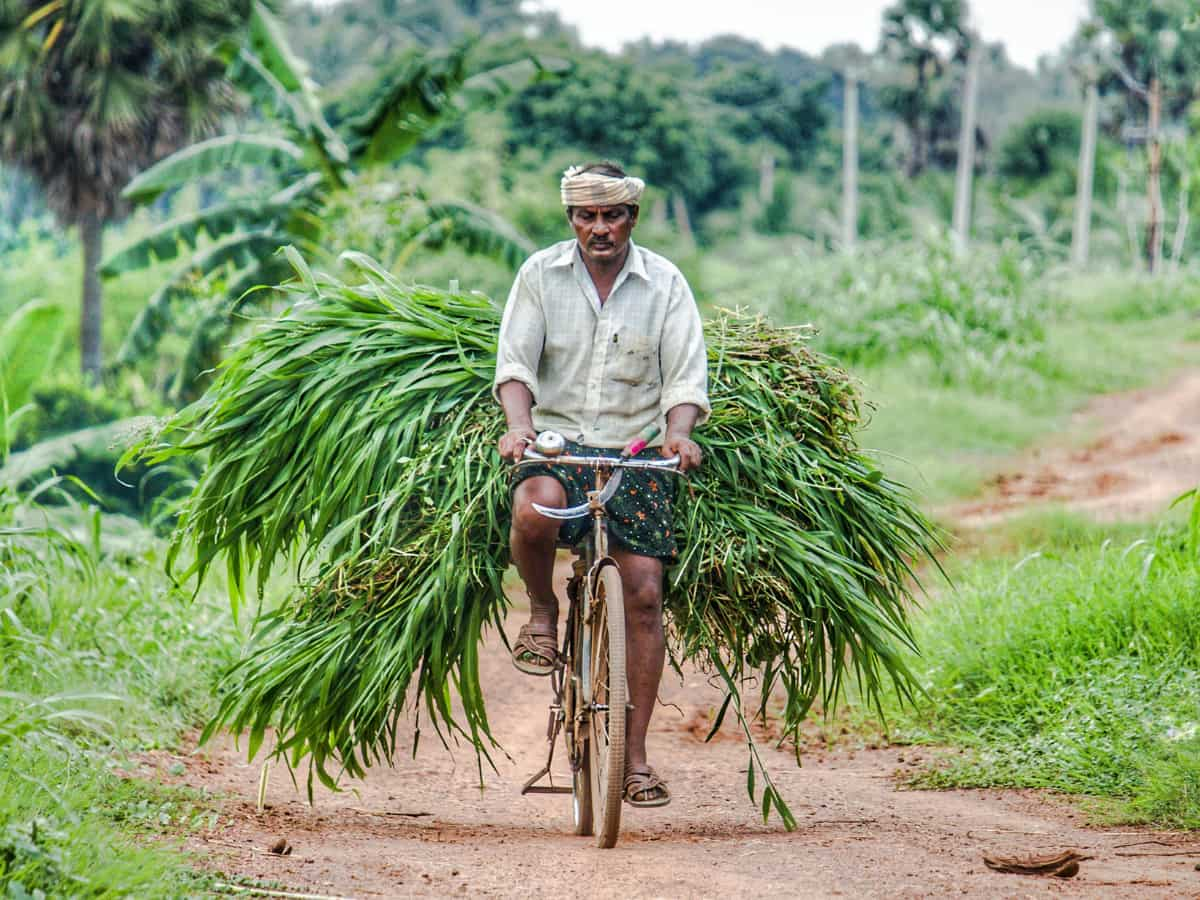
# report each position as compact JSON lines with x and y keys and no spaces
{"x":565,"y":712}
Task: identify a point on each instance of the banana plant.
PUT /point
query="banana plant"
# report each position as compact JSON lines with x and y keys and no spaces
{"x":308,"y":164}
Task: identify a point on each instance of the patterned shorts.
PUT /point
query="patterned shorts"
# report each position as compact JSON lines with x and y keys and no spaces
{"x":639,"y":514}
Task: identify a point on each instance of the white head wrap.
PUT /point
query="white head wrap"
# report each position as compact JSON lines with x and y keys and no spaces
{"x":580,"y":188}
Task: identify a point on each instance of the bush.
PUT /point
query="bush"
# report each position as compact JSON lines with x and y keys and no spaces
{"x":970,"y":317}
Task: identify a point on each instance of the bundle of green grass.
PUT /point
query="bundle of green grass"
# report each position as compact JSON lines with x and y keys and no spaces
{"x":354,"y":439}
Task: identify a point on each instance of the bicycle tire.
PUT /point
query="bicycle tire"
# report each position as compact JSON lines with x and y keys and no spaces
{"x":606,"y":728}
{"x":581,"y":777}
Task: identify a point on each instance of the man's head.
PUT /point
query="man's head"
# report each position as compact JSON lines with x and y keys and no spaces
{"x":602,"y":207}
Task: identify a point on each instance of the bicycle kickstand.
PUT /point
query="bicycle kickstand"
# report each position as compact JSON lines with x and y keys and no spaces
{"x":552,"y":729}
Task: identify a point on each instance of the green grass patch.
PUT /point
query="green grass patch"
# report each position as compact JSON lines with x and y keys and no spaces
{"x":98,"y":658}
{"x":1073,"y":666}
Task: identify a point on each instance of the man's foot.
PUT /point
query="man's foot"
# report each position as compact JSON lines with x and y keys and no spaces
{"x":644,"y":788}
{"x":536,"y":649}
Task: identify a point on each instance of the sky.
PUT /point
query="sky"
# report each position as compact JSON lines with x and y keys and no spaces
{"x":1028,"y":28}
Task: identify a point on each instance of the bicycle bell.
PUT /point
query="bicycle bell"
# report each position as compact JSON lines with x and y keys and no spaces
{"x":550,"y":443}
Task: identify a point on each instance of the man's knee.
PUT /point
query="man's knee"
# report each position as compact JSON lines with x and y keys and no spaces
{"x":527,"y":522}
{"x":643,"y":593}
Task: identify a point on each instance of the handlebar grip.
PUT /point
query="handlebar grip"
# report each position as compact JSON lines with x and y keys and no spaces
{"x":638,"y":444}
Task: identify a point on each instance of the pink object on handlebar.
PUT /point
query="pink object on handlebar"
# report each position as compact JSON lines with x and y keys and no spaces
{"x":638,"y":444}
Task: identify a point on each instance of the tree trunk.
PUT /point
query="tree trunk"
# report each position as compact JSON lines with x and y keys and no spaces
{"x":658,"y":213}
{"x":850,"y":163}
{"x":1081,"y":239}
{"x":1153,"y":186}
{"x":91,"y":233}
{"x":682,"y":220}
{"x":966,"y":152}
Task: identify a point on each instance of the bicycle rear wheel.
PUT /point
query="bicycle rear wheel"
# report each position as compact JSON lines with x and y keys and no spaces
{"x":609,"y":696}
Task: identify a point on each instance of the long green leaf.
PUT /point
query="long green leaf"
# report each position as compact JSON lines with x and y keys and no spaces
{"x":414,"y":98}
{"x":476,"y":230}
{"x":166,"y":241}
{"x":29,"y":342}
{"x":493,"y":85}
{"x":274,"y":58}
{"x":158,"y":315}
{"x":208,"y":157}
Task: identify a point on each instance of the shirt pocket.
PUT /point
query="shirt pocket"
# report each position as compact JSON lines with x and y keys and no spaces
{"x":636,"y":361}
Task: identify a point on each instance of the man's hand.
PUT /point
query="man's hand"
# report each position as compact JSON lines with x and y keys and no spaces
{"x":512,"y":445}
{"x":688,"y":450}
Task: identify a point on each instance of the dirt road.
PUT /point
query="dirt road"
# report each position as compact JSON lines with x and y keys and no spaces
{"x":1143,"y":451}
{"x":425,"y":828}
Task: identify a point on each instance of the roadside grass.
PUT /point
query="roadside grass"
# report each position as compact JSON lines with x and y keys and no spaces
{"x":99,"y":658}
{"x":1072,"y":663}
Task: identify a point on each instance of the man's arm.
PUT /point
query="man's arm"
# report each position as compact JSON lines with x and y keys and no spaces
{"x":517,"y":402}
{"x":684,"y":362}
{"x":518,"y":352}
{"x":681,"y":420}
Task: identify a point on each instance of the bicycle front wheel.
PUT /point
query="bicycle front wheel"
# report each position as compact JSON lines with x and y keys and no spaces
{"x":609,"y":696}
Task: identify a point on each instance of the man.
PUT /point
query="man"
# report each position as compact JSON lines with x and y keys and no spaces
{"x":599,"y":339}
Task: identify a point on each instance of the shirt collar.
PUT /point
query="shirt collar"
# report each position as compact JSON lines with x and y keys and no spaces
{"x":635,"y":262}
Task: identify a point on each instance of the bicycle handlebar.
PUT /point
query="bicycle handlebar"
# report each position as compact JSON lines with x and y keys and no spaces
{"x":669,"y":464}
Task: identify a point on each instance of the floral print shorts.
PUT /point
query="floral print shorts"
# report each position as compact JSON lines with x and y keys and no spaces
{"x":639,"y":514}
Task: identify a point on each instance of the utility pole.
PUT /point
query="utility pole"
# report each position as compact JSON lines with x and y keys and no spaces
{"x":850,"y":161}
{"x":1081,"y":237}
{"x":1154,"y":186}
{"x":966,"y":149}
{"x":766,"y":178}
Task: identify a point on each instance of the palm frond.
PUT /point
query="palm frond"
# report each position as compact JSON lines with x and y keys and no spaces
{"x":167,"y":241}
{"x":208,"y":157}
{"x":474,"y":229}
{"x":158,"y":315}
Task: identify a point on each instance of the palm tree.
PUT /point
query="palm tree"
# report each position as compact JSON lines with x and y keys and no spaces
{"x":308,"y":164}
{"x":93,"y":91}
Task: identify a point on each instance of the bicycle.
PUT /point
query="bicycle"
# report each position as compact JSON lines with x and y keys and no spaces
{"x":590,"y":699}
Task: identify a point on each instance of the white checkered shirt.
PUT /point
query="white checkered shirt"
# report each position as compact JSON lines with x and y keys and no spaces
{"x":601,"y":372}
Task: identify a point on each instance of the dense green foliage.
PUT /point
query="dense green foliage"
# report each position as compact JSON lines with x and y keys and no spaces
{"x":231,"y":247}
{"x":93,"y":92}
{"x":1073,"y":669}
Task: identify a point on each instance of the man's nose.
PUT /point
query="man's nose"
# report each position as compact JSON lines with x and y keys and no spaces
{"x":601,"y":227}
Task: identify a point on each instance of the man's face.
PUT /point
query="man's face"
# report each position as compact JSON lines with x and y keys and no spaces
{"x":603,"y":231}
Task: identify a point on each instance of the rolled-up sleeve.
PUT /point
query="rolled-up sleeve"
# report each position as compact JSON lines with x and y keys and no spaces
{"x":682,"y":354}
{"x":522,"y":336}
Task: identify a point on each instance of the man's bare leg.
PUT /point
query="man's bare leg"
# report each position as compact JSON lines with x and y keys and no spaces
{"x":532,"y":540}
{"x":645,"y":645}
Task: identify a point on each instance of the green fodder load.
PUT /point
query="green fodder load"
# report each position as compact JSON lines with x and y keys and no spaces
{"x":355,"y":437}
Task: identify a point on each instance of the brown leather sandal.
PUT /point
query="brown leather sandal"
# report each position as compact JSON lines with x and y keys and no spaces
{"x":643,"y":788}
{"x":540,"y":642}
